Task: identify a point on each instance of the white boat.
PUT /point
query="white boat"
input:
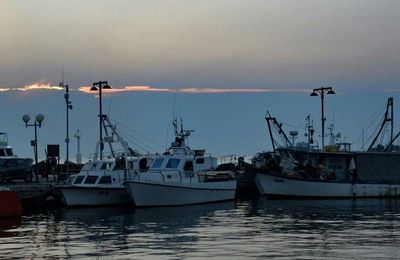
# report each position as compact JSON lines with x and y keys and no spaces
{"x":100,"y":182}
{"x":335,"y":172}
{"x":274,"y":185}
{"x":181,"y":176}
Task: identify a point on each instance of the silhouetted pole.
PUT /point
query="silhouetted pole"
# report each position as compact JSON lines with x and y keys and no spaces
{"x":98,"y":86}
{"x":38,"y":123}
{"x":68,"y":106}
{"x":321,"y":92}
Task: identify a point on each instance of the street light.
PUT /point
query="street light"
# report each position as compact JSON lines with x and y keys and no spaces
{"x":38,"y":123}
{"x":322,"y":92}
{"x":98,"y":86}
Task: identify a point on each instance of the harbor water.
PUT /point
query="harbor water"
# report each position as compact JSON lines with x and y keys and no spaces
{"x":255,"y":228}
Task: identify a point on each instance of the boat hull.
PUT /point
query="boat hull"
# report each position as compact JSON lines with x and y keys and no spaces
{"x":10,"y":203}
{"x":147,"y":194}
{"x":280,"y":186}
{"x":94,"y":196}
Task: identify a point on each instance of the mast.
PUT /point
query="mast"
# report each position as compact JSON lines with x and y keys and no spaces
{"x":270,"y":130}
{"x":279,"y":130}
{"x":387,"y":118}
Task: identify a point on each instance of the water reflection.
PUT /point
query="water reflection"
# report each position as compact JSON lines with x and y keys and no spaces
{"x":7,"y":225}
{"x":248,"y":228}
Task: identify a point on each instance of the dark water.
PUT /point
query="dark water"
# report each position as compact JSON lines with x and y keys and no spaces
{"x":258,"y":228}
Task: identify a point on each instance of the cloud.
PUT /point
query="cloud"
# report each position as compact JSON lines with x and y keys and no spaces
{"x":86,"y":89}
{"x":188,"y":90}
{"x":35,"y":86}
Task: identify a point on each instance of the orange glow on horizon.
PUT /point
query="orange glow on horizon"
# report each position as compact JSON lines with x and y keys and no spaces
{"x":37,"y":86}
{"x":188,"y":90}
{"x":86,"y":89}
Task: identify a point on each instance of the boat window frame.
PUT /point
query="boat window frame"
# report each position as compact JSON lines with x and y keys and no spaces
{"x":2,"y":152}
{"x":173,"y":163}
{"x":79,"y":178}
{"x":200,"y":160}
{"x":70,"y":180}
{"x":101,"y":181}
{"x":91,"y":179}
{"x":9,"y":152}
{"x":188,"y":166}
{"x":157,"y":163}
{"x":108,"y":166}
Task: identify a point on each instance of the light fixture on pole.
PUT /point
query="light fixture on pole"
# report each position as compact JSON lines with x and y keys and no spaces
{"x":322,"y":92}
{"x":38,"y":123}
{"x":99,"y":86}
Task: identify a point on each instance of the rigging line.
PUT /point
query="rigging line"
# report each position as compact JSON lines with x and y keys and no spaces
{"x":372,"y":118}
{"x":137,"y":132}
{"x":374,"y":132}
{"x":370,"y":124}
{"x":121,"y":133}
{"x":297,"y":127}
{"x":135,"y":141}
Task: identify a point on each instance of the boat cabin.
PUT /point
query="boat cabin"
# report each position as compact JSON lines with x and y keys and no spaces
{"x":183,"y":163}
{"x":107,"y":171}
{"x":110,"y":165}
{"x":5,"y":149}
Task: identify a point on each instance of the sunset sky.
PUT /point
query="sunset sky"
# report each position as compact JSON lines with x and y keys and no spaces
{"x":220,"y":65}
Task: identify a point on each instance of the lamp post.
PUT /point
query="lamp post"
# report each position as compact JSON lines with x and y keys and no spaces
{"x":38,"y":123}
{"x":68,"y":105}
{"x":322,"y":92}
{"x":98,"y":86}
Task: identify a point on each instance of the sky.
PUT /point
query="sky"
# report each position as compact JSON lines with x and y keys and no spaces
{"x":220,"y":65}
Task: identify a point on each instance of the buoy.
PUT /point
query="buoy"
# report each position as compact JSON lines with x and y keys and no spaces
{"x":10,"y":204}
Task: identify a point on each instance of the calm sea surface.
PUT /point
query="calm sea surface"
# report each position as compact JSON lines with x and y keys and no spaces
{"x":245,"y":229}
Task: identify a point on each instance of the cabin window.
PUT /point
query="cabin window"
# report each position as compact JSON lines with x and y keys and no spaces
{"x":9,"y":152}
{"x":199,"y":160}
{"x":173,"y":163}
{"x":105,"y":180}
{"x":2,"y":152}
{"x":188,"y":166}
{"x":157,"y":163}
{"x":78,"y":179}
{"x":91,"y":179}
{"x":106,"y":166}
{"x":70,"y":180}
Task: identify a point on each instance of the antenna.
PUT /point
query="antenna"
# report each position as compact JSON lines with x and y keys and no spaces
{"x":77,"y":135}
{"x":68,"y":106}
{"x":109,"y":107}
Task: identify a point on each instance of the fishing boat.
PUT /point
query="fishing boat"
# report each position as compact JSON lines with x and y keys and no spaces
{"x":10,"y":204}
{"x":181,"y":176}
{"x":100,"y":181}
{"x":302,"y":170}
